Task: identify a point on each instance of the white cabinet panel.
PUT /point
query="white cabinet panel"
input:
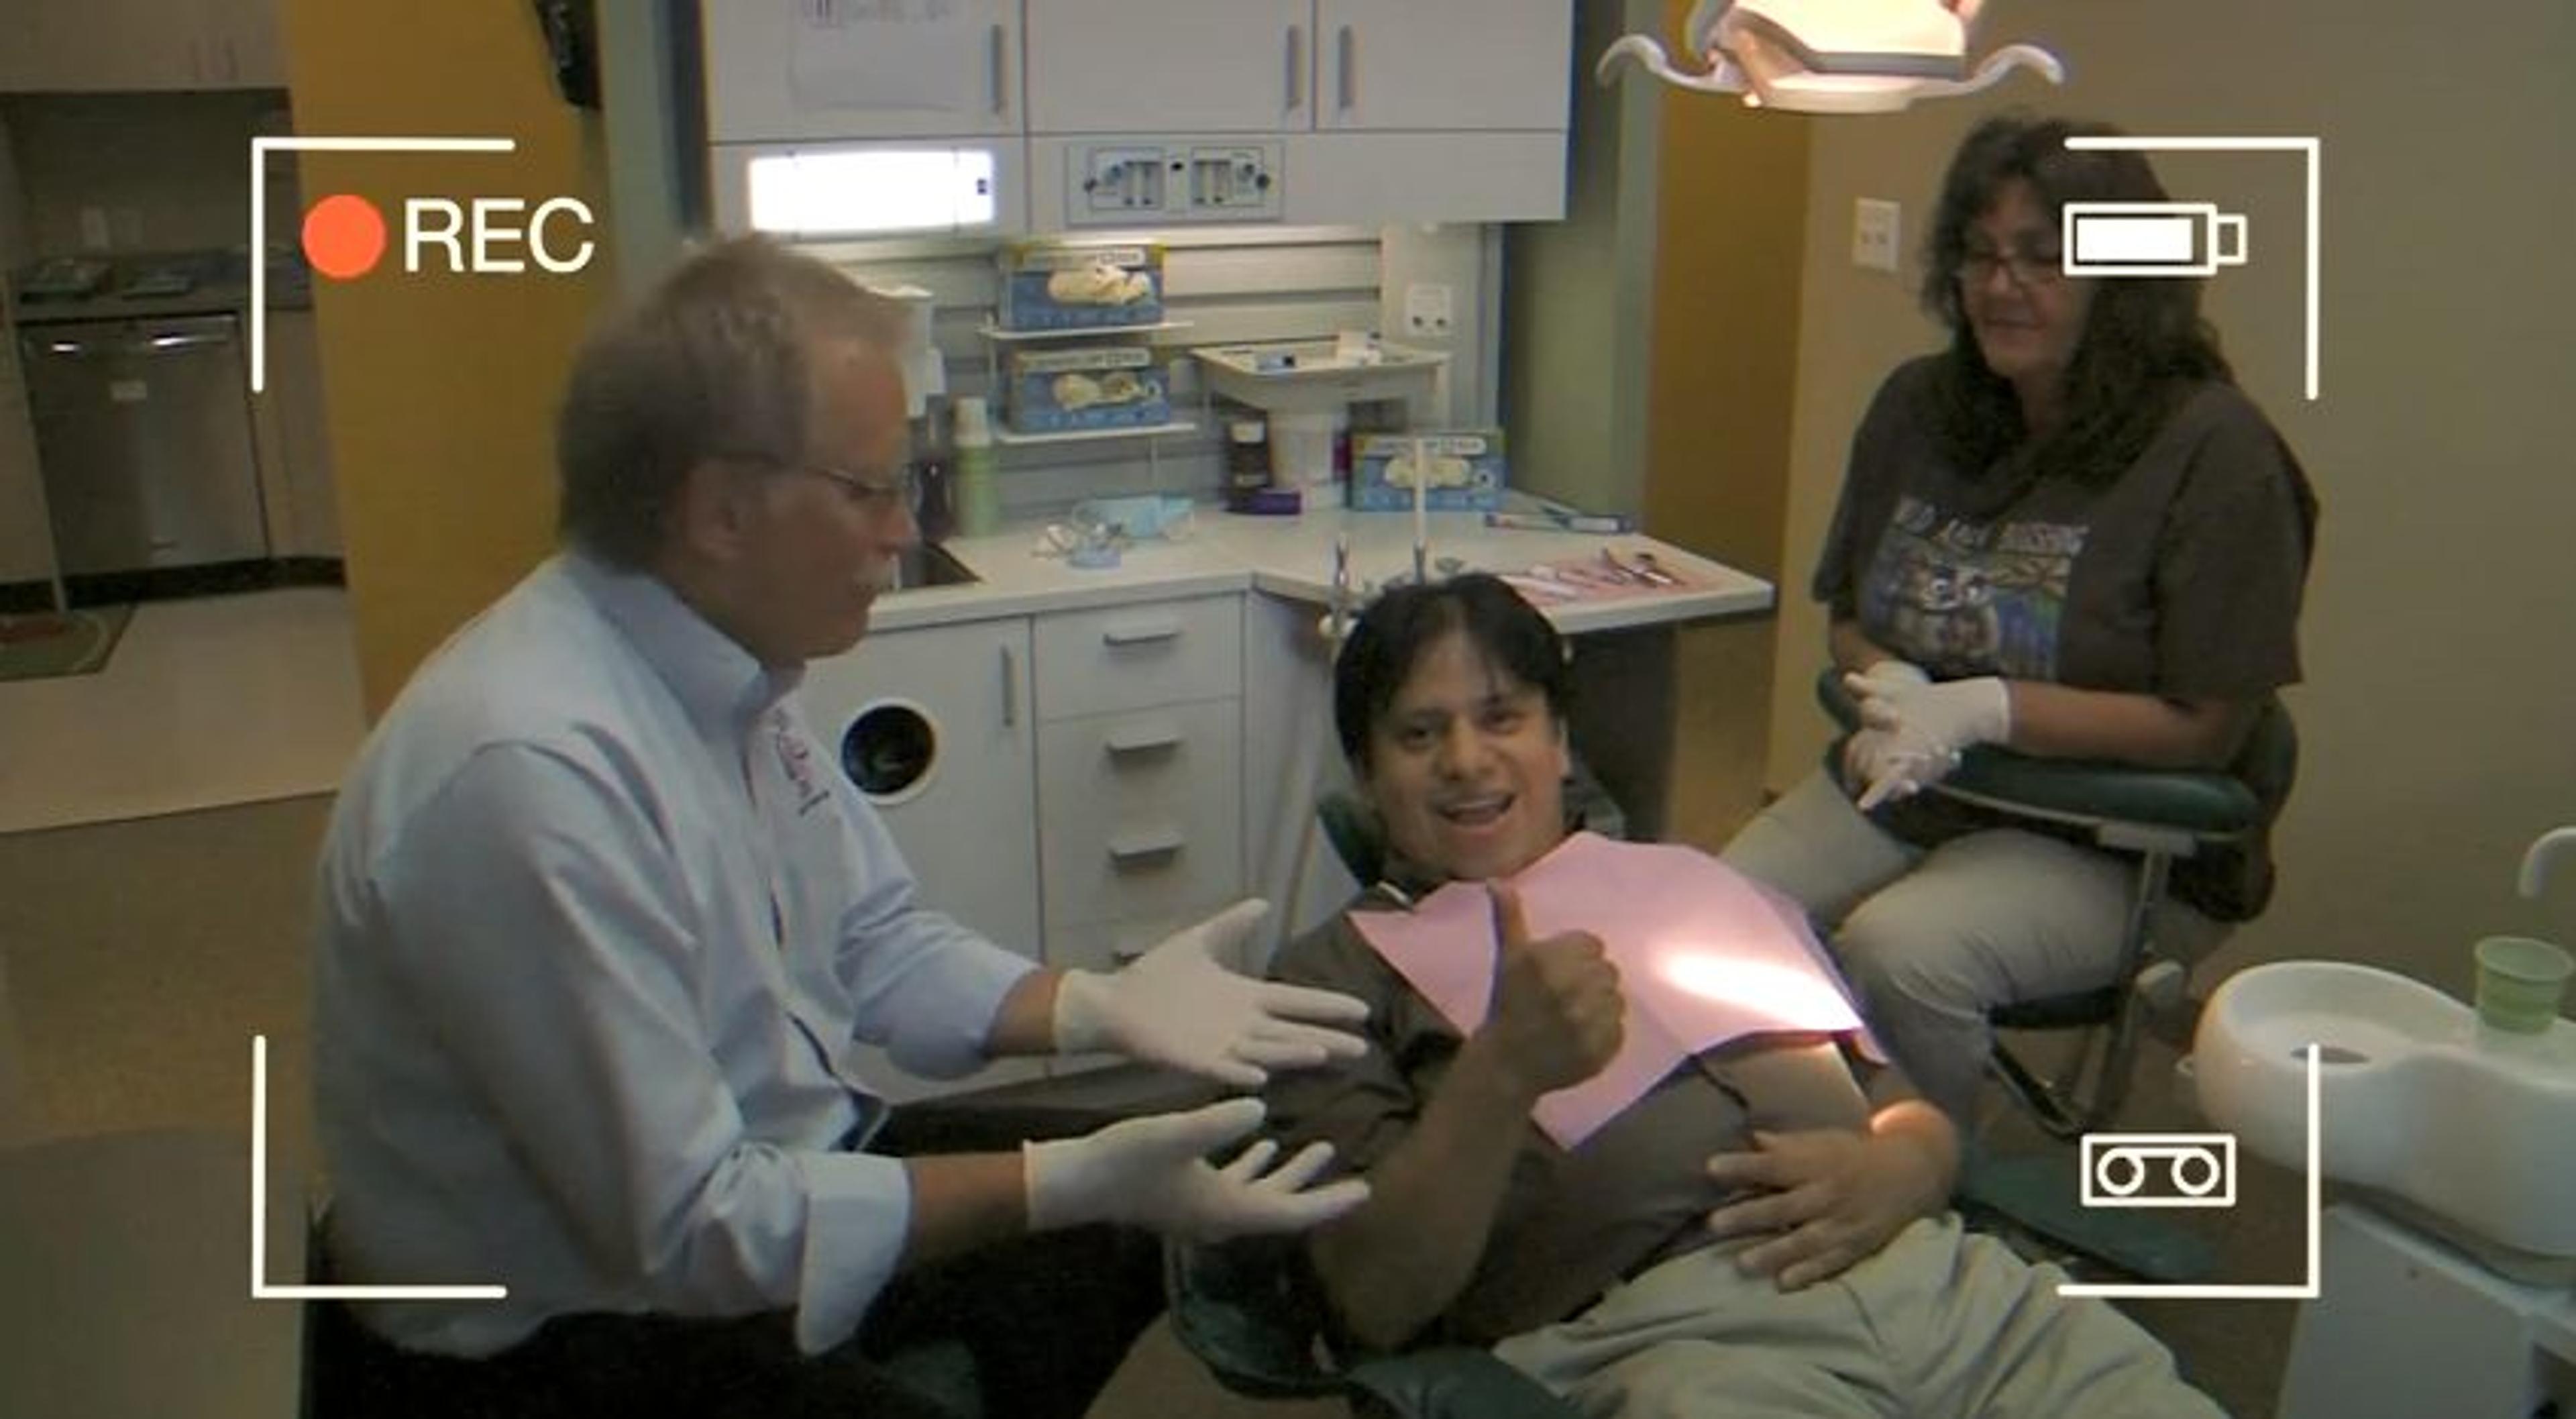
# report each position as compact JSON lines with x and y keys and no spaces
{"x":241,"y":46}
{"x":87,"y":46}
{"x":1443,"y":64}
{"x":1129,"y":657}
{"x":1175,"y":66}
{"x":964,"y":811}
{"x":788,"y":69}
{"x":938,"y":719}
{"x":1141,"y":814}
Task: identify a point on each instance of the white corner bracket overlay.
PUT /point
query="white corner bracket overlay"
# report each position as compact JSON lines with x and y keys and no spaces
{"x":260,"y":1289}
{"x":2218,"y":255}
{"x":2307,"y":1290}
{"x":260,"y":148}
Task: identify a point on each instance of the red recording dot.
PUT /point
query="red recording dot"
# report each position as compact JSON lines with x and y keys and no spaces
{"x":344,"y":236}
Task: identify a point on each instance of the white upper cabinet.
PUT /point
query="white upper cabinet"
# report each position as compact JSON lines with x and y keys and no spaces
{"x":93,"y":46}
{"x":1177,"y":66}
{"x":781,"y":70}
{"x":1288,"y":66}
{"x":1430,"y":65}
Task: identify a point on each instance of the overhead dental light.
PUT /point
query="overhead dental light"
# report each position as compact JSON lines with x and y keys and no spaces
{"x":1831,"y":56}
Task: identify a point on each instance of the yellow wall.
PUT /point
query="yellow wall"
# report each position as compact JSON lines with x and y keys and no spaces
{"x":2438,"y":719}
{"x":1729,"y":248}
{"x":441,"y":388}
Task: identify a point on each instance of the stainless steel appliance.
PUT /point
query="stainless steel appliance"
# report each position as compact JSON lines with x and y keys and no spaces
{"x":143,"y":434}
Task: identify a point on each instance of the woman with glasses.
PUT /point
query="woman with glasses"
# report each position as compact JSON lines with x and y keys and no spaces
{"x":2068,"y":533}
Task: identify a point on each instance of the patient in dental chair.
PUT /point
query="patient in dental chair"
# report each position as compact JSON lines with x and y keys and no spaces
{"x":1762,"y":1230}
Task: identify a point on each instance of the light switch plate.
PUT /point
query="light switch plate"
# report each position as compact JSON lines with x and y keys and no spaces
{"x":1874,"y":234}
{"x":1428,"y":310}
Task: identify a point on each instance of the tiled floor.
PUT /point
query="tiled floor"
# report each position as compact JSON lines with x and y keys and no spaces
{"x":207,"y":702}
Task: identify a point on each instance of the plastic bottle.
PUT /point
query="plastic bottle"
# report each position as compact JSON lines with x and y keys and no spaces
{"x":979,"y":493}
{"x":1247,"y":459}
{"x":934,"y":467}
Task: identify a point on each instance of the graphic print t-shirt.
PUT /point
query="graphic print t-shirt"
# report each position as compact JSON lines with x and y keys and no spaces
{"x":2181,"y":578}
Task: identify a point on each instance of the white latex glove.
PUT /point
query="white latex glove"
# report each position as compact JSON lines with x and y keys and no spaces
{"x":1928,"y":724}
{"x":1889,"y":766}
{"x":1177,"y":1006}
{"x":1891,"y":668}
{"x":1153,"y":1173}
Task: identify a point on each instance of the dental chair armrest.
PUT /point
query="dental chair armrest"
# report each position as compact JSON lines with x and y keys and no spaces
{"x":2078,"y":791}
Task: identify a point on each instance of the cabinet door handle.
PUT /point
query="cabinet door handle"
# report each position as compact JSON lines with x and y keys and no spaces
{"x":1349,"y":80}
{"x":1010,"y":688}
{"x":1145,"y":845}
{"x":1141,"y":632}
{"x":1001,"y":74}
{"x":1143,"y":738}
{"x":1296,"y":67}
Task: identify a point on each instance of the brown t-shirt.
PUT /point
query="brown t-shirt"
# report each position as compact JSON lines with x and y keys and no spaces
{"x":2181,"y":577}
{"x":1571,"y":1223}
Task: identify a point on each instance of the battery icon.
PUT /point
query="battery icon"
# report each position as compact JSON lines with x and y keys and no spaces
{"x":2150,"y":238}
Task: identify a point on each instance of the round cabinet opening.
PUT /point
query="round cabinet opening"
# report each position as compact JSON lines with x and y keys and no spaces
{"x":889,"y":751}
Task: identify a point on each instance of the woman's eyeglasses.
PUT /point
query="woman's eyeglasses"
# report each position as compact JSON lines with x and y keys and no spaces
{"x":1977,"y":266}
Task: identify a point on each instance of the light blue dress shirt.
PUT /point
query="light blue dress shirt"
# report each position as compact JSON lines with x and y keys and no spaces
{"x":599,"y":925}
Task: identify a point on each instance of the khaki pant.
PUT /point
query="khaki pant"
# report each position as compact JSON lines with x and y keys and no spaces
{"x":1931,"y":941}
{"x":1939,"y":1324}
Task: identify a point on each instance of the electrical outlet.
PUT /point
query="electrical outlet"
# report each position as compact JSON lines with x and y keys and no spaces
{"x":1428,"y":310}
{"x":1874,"y":234}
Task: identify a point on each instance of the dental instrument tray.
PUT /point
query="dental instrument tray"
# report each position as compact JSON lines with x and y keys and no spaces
{"x":1314,"y":375}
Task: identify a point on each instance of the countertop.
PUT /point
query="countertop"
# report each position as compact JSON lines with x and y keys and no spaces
{"x":222,"y":288}
{"x":1292,"y":557}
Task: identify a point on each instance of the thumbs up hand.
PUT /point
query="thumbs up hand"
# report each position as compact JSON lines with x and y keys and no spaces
{"x":1556,"y":1016}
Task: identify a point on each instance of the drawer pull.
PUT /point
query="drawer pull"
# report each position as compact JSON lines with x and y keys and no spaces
{"x":1161,"y":628}
{"x":1144,"y":738}
{"x":1147,"y":846}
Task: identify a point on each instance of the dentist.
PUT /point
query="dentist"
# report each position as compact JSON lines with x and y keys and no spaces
{"x":598,"y":938}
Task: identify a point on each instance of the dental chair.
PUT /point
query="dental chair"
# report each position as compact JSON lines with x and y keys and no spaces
{"x":1243,"y":1308}
{"x":2158,"y":817}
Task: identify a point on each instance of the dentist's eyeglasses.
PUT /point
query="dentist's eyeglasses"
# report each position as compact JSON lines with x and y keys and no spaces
{"x":905,"y":488}
{"x":2045,"y":266}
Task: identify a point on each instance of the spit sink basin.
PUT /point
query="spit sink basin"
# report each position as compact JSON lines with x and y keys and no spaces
{"x":2416,"y":1099}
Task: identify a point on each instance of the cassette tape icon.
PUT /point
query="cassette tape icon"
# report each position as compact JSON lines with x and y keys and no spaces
{"x":2159,"y":1170}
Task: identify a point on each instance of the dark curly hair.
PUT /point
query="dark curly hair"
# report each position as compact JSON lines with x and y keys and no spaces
{"x":2144,"y":342}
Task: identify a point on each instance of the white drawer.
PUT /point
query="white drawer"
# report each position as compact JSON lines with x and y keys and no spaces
{"x":1140,"y":815}
{"x":1129,"y":657}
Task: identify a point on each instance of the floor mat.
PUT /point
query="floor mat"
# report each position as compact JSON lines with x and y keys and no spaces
{"x":50,"y":643}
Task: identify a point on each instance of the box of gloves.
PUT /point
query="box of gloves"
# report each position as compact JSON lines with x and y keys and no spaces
{"x":1094,"y":387}
{"x":1462,"y":470}
{"x":1051,"y":285}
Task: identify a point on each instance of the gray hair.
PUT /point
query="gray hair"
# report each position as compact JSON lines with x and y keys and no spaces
{"x":715,"y":362}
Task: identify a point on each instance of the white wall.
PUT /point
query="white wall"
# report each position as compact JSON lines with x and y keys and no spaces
{"x":2439,"y":713}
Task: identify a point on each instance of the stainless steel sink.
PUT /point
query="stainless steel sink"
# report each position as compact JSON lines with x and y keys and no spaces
{"x":926,"y":565}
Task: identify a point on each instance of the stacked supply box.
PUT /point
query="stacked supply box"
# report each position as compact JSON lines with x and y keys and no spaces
{"x":1048,"y":285}
{"x":1465,"y":471}
{"x":1093,"y":387}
